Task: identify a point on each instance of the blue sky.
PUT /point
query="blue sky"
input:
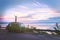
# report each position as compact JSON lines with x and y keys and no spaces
{"x":30,"y":11}
{"x":52,"y":3}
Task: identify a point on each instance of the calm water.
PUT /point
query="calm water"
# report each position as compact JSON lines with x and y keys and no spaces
{"x":4,"y":25}
{"x":38,"y":26}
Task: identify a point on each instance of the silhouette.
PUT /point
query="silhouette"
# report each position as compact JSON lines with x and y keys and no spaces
{"x":15,"y":18}
{"x":57,"y":29}
{"x":0,"y":26}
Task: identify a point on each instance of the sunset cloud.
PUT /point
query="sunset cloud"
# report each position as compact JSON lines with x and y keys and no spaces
{"x":24,"y":13}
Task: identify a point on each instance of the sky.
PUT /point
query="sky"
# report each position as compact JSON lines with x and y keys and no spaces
{"x":37,"y":12}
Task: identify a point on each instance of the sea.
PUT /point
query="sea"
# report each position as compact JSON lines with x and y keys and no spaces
{"x":38,"y":26}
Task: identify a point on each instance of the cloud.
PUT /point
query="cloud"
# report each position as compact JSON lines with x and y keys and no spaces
{"x":29,"y":14}
{"x":22,"y":7}
{"x":36,"y":2}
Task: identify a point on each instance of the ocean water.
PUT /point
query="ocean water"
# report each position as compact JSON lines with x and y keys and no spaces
{"x":38,"y":26}
{"x":35,"y":25}
{"x":3,"y":25}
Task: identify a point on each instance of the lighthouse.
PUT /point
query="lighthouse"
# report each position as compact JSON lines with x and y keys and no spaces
{"x":15,"y":18}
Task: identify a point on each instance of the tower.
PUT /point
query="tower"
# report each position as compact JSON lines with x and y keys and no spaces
{"x":15,"y":18}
